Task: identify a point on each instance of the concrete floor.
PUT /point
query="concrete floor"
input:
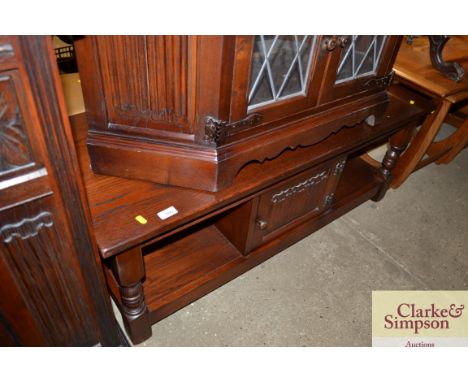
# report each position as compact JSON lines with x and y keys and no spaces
{"x":318,"y":292}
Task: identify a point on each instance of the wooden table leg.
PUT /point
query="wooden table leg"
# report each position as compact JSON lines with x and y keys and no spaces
{"x":420,"y":143}
{"x":398,"y":143}
{"x":128,"y":269}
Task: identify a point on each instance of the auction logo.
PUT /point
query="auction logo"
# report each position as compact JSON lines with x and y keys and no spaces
{"x":419,"y":318}
{"x":409,"y":316}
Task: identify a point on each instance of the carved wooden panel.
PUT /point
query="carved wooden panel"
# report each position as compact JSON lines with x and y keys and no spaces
{"x":34,"y":250}
{"x":50,"y":290}
{"x":150,"y":81}
{"x":15,"y":151}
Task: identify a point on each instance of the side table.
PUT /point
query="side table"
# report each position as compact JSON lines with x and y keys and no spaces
{"x":418,"y":81}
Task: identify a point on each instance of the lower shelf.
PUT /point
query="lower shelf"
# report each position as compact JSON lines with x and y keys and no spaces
{"x":195,"y":261}
{"x":184,"y":263}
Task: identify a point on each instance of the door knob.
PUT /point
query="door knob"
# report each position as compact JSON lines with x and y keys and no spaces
{"x":262,"y":224}
{"x":329,"y":43}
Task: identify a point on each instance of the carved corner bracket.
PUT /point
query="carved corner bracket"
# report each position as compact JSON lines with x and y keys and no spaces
{"x":452,"y":70}
{"x":217,"y":130}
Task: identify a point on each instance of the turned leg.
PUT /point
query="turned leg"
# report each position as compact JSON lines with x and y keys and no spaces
{"x":128,"y":270}
{"x":398,"y":143}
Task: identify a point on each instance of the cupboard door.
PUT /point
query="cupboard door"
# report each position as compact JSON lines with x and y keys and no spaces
{"x":357,"y":63}
{"x":51,"y":289}
{"x":302,"y":196}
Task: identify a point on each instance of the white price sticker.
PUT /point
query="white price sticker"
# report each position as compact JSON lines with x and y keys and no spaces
{"x":167,"y":213}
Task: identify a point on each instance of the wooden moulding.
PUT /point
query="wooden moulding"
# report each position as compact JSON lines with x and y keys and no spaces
{"x":215,"y":168}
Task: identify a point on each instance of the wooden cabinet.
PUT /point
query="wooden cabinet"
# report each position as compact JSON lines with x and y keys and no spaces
{"x":156,"y":266}
{"x":263,"y":133}
{"x":51,"y":288}
{"x":274,"y":124}
{"x":191,"y":111}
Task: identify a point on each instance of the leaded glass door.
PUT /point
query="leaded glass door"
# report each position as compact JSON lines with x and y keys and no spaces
{"x":355,"y":62}
{"x":275,"y":75}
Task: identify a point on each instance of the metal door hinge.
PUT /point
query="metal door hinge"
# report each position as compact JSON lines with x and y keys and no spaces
{"x":329,"y":199}
{"x":383,"y":81}
{"x":339,"y":167}
{"x":217,"y":130}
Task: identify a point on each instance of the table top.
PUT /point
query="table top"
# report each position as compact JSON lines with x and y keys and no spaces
{"x":413,"y":65}
{"x":116,"y":202}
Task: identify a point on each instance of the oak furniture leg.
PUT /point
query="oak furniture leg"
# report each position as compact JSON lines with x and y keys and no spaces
{"x":128,"y":270}
{"x":398,"y":144}
{"x":420,"y":143}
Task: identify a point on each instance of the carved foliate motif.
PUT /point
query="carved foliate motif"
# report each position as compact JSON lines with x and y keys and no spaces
{"x":15,"y":151}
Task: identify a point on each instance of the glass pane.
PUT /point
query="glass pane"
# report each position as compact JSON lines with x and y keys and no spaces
{"x":364,"y":54}
{"x":306,"y":52}
{"x":360,"y":58}
{"x":292,"y":84}
{"x":280,"y":67}
{"x":281,"y":59}
{"x":263,"y":91}
{"x":257,"y":61}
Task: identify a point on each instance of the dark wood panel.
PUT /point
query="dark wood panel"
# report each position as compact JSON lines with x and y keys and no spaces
{"x":146,"y":81}
{"x":33,"y":248}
